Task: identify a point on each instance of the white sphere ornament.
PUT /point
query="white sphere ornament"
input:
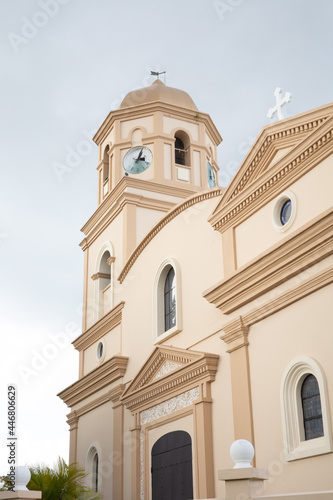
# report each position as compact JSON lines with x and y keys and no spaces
{"x":242,"y":453}
{"x":22,"y":477}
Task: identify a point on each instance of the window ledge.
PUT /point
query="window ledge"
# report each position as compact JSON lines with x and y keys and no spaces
{"x":310,"y":448}
{"x":166,"y":335}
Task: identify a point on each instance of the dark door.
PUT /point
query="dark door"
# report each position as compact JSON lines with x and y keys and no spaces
{"x":171,"y":470}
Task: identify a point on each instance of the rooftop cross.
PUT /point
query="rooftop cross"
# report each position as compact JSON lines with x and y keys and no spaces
{"x":279,"y":103}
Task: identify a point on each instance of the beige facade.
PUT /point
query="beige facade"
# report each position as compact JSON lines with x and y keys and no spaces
{"x":250,"y":318}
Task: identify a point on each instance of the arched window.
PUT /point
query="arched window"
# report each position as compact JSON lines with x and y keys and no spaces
{"x":92,"y":468}
{"x":95,"y":472}
{"x":311,"y":405}
{"x":167,"y":301}
{"x":182,"y":148}
{"x":103,"y":281}
{"x":179,"y":152}
{"x":106,"y":167}
{"x":170,"y":300}
{"x":305,"y":410}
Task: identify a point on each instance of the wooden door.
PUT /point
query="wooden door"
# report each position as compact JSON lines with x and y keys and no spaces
{"x":172,"y":467}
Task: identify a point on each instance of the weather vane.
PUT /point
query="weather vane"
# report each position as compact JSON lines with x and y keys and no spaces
{"x":157,"y":73}
{"x":279,"y":103}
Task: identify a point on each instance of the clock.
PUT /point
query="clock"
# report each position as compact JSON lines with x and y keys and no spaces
{"x":137,"y":159}
{"x":210,"y":175}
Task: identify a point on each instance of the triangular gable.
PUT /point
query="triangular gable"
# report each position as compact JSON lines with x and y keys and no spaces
{"x":168,"y":370}
{"x":275,"y":142}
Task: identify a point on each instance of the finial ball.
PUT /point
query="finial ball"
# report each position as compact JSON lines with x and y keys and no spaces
{"x":242,"y":453}
{"x":22,"y":477}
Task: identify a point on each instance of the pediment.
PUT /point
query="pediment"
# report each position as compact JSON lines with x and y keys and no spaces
{"x":273,"y":143}
{"x":166,"y":371}
{"x":277,"y":145}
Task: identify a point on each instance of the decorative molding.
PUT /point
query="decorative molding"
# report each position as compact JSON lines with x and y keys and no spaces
{"x":97,"y":276}
{"x":295,"y":444}
{"x":112,"y":396}
{"x":144,"y":390}
{"x":302,"y":249}
{"x":236,"y":333}
{"x":157,"y":359}
{"x":112,"y":319}
{"x":197,"y":198}
{"x":100,"y":377}
{"x":110,"y":260}
{"x":73,"y":420}
{"x":114,"y":203}
{"x":269,"y":307}
{"x":142,"y":110}
{"x":166,"y":368}
{"x":169,"y":406}
{"x":285,"y":134}
{"x":305,"y":156}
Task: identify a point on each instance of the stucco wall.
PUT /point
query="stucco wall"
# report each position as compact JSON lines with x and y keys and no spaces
{"x":313,"y":196}
{"x":304,"y":328}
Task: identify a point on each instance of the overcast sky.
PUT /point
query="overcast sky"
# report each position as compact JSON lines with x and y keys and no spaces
{"x":64,"y":65}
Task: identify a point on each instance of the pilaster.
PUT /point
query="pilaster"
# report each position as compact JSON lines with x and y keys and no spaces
{"x":73,"y":421}
{"x":204,"y":438}
{"x":135,"y":458}
{"x":118,"y":444}
{"x":129,"y":222}
{"x":236,"y":337}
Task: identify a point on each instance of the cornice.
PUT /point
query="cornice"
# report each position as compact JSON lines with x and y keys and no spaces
{"x":284,"y":133}
{"x":143,"y":110}
{"x":123,"y":200}
{"x":159,"y":356}
{"x":148,"y":138}
{"x":104,"y":375}
{"x":197,"y":198}
{"x":240,"y":325}
{"x":100,"y":328}
{"x":306,"y":155}
{"x":236,"y":333}
{"x":308,"y":245}
{"x":308,"y":286}
{"x":111,"y":396}
{"x":200,"y":370}
{"x":73,"y":420}
{"x":107,"y":206}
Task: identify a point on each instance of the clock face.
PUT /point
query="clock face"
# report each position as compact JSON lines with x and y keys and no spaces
{"x":210,"y":175}
{"x":137,"y":160}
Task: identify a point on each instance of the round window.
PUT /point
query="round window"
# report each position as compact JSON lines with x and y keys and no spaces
{"x":284,"y":211}
{"x":100,"y":350}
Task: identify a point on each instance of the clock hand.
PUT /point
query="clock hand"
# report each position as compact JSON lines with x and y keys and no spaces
{"x":139,"y":156}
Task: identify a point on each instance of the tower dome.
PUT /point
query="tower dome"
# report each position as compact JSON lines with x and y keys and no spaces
{"x":158,"y":92}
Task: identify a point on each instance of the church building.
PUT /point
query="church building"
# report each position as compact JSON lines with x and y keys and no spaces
{"x":207,"y":311}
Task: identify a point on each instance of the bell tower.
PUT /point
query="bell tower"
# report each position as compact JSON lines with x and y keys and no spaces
{"x":176,"y":143}
{"x":156,"y":150}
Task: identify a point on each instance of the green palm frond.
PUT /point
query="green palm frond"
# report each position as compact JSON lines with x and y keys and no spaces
{"x":64,"y":482}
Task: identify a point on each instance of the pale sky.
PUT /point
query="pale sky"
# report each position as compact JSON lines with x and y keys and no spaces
{"x":64,"y":65}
